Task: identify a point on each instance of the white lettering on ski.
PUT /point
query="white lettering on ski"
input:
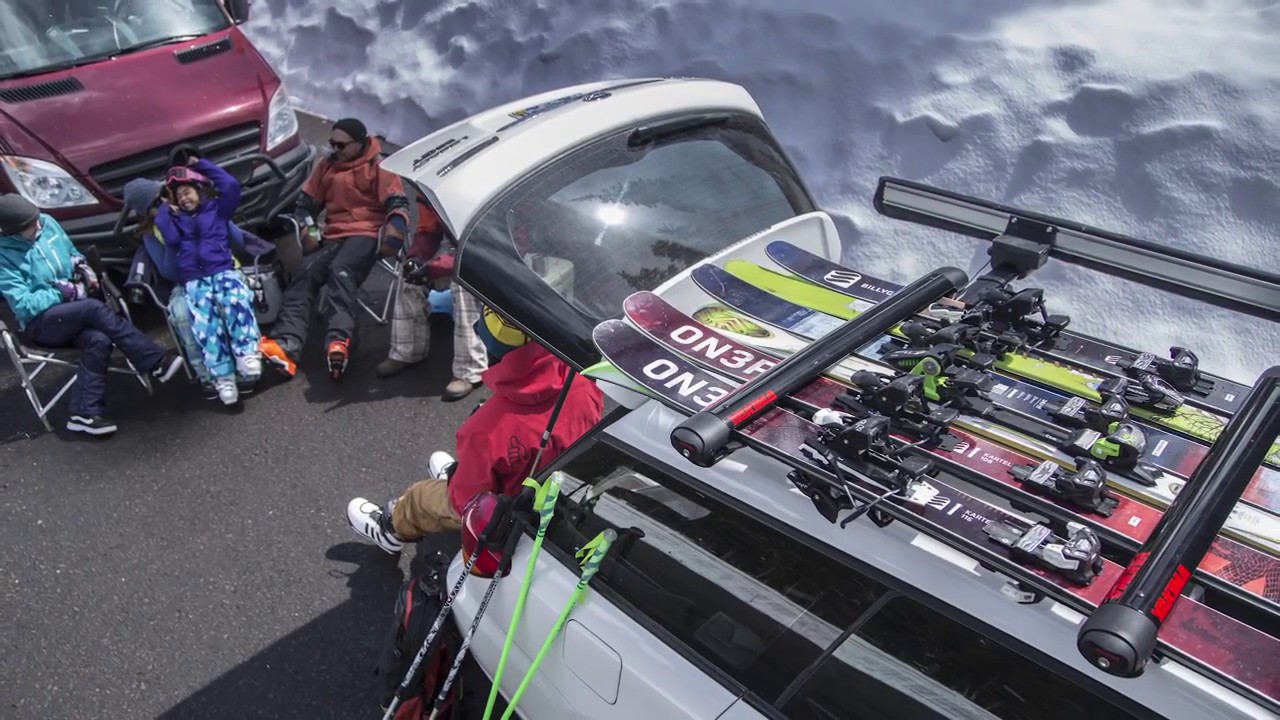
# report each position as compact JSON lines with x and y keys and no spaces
{"x":683,"y":382}
{"x":714,"y":349}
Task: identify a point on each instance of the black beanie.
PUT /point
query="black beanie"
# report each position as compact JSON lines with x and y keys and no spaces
{"x":352,"y":127}
{"x":16,"y":214}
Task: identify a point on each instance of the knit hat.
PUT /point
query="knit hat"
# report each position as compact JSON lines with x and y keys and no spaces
{"x":352,"y":127}
{"x":140,"y":194}
{"x":16,"y":214}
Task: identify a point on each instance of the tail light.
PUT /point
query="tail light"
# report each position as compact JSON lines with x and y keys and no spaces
{"x":475,"y":516}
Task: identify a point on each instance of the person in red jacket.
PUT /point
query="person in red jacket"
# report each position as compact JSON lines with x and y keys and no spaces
{"x":358,"y":198}
{"x":496,"y":446}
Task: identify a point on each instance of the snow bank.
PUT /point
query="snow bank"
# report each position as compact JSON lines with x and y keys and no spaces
{"x":1159,"y":118}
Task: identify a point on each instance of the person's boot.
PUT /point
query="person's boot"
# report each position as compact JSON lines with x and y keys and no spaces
{"x":458,"y":389}
{"x":440,"y":465}
{"x":339,"y":353}
{"x":374,"y":523}
{"x":390,"y":367}
{"x":279,"y":358}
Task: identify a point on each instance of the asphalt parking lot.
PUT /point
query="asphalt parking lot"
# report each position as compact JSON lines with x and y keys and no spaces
{"x":197,"y":564}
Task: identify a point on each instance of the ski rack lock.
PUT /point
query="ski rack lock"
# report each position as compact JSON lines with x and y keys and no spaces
{"x":705,"y":437}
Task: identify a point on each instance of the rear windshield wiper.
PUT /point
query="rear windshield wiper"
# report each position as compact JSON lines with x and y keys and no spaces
{"x":646,"y":134}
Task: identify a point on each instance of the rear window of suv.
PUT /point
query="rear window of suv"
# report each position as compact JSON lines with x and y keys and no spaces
{"x":800,"y":632}
{"x":615,"y":217}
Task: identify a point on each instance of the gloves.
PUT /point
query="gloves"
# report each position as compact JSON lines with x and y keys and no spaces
{"x":415,"y":271}
{"x":84,"y":274}
{"x":71,"y":291}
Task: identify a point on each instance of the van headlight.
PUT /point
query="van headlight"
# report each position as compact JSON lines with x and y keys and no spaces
{"x":44,"y":183}
{"x":282,"y":121}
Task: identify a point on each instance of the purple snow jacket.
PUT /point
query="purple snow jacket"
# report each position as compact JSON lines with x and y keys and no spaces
{"x":199,"y":238}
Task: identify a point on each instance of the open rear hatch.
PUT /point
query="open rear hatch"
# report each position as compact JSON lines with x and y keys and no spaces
{"x":566,"y":203}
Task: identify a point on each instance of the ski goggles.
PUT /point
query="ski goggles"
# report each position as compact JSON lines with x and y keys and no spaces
{"x":184,"y":176}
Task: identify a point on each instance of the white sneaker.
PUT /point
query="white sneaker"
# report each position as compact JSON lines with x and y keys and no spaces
{"x":440,"y":466}
{"x":228,"y":391}
{"x":371,"y":523}
{"x":249,"y":367}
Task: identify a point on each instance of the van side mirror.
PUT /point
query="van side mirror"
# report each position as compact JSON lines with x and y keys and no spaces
{"x":238,"y":10}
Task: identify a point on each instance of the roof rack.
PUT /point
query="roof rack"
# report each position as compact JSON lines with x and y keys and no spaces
{"x":1022,"y":240}
{"x":707,"y":436}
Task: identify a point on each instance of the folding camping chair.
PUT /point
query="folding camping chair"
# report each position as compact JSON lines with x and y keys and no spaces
{"x":391,"y":265}
{"x":30,"y":360}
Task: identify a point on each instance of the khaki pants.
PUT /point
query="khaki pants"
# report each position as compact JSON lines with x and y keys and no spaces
{"x":424,"y":508}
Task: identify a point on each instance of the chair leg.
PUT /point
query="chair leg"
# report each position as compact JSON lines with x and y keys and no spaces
{"x":24,"y":379}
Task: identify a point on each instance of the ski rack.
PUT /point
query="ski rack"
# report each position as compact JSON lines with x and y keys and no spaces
{"x":1022,"y":240}
{"x":1120,"y":636}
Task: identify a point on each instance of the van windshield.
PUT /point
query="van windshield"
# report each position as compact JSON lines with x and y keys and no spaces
{"x":38,"y":36}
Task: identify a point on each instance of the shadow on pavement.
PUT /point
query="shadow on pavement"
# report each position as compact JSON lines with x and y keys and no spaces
{"x":322,"y":669}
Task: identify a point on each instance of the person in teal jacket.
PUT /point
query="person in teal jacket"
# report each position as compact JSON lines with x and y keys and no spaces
{"x":48,"y":284}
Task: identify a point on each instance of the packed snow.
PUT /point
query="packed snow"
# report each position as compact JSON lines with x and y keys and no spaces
{"x":1157,"y":118}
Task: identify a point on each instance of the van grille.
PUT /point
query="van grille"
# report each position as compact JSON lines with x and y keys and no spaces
{"x":218,"y":146}
{"x":200,"y":52}
{"x":27,"y":93}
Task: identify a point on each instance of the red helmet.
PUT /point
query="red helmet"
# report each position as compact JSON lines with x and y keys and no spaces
{"x":179,"y":175}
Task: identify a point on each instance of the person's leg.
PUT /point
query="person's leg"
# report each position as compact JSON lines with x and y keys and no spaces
{"x":66,"y":325}
{"x":235,"y":304}
{"x":206,"y":325}
{"x":180,"y":320}
{"x":142,"y":351}
{"x":351,"y":266}
{"x":290,"y":328}
{"x":87,"y":406}
{"x":469,"y":356}
{"x":424,"y":508}
{"x":410,"y":331}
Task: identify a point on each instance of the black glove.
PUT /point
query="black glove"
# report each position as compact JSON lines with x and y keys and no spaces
{"x":180,"y":154}
{"x":415,"y":271}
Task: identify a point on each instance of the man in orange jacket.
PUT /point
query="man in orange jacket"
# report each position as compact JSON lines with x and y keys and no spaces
{"x":358,"y":197}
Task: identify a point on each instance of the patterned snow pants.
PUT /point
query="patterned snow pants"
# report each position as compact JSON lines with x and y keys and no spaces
{"x":223,"y":321}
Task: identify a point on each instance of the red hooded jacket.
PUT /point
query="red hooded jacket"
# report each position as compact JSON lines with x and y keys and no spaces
{"x":497,"y":444}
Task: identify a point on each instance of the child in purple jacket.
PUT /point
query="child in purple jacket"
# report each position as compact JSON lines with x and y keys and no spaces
{"x":201,"y":200}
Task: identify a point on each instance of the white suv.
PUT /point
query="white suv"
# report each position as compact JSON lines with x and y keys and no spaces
{"x":727,"y":594}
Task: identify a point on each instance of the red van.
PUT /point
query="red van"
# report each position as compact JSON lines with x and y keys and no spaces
{"x":94,"y":93}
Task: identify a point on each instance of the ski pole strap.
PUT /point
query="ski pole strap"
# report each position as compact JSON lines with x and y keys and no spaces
{"x":1120,"y":635}
{"x":551,"y":421}
{"x":704,"y":438}
{"x":545,"y":495}
{"x":592,"y":554}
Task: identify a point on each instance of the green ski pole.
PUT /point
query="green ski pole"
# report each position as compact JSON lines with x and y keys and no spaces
{"x":591,"y":555}
{"x":544,"y":503}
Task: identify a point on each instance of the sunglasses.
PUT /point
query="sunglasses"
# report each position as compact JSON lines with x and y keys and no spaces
{"x":338,"y":145}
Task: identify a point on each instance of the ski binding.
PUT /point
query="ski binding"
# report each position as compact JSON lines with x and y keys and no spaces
{"x":1086,"y":487}
{"x":1076,"y":557}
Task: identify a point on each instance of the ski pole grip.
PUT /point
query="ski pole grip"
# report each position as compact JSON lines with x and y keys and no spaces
{"x":704,"y":437}
{"x":1120,"y":636}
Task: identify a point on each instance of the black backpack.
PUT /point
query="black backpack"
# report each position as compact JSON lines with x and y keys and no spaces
{"x":417,"y":606}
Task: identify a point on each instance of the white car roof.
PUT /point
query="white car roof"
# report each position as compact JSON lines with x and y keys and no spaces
{"x":464,"y":166}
